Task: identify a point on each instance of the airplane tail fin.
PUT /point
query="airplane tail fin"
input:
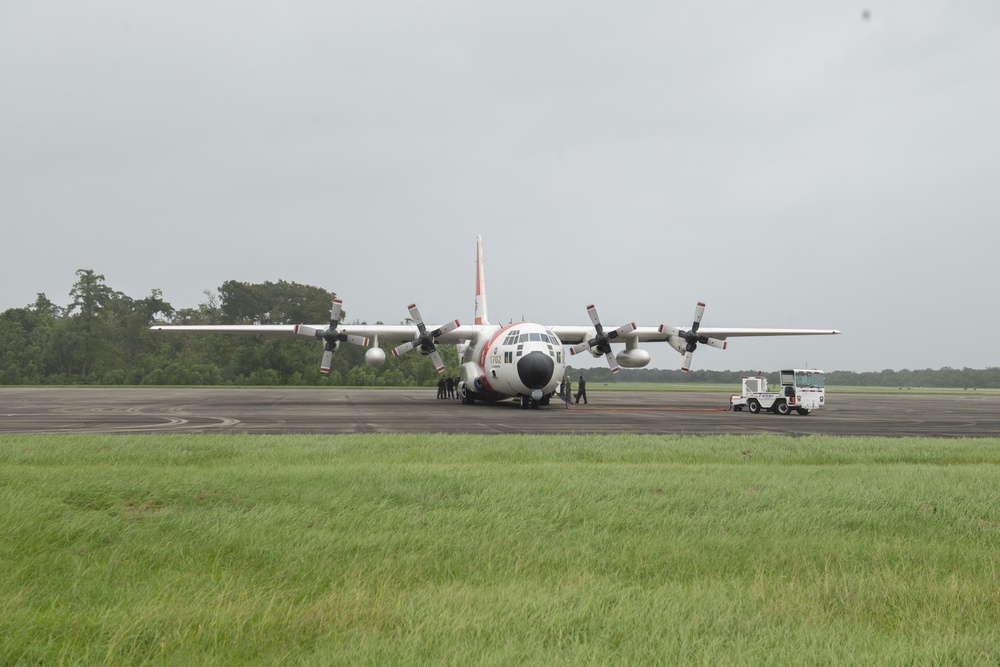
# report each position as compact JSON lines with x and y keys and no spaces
{"x":481,"y":316}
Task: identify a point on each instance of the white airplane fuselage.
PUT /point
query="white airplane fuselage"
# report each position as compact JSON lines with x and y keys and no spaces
{"x":520,"y":360}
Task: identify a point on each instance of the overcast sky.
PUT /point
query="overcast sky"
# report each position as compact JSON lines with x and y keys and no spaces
{"x":793,"y":164}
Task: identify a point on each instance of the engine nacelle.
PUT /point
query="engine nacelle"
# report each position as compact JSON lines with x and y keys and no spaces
{"x":634,"y":358}
{"x":375,"y":357}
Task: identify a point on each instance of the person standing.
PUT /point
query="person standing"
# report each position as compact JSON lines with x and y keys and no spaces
{"x":441,"y":388}
{"x":569,"y":390}
{"x":582,"y":392}
{"x":450,"y":383}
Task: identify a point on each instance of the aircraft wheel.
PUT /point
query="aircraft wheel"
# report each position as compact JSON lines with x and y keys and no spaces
{"x":782,"y":408}
{"x":802,"y":411}
{"x":753,"y":405}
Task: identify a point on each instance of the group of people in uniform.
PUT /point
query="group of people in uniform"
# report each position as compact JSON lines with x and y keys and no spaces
{"x":566,"y":390}
{"x":447,"y":389}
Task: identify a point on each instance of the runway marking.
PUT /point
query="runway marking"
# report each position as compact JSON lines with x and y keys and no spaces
{"x":638,"y":409}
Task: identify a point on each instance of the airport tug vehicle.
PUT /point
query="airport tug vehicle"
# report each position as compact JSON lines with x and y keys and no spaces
{"x":802,"y":390}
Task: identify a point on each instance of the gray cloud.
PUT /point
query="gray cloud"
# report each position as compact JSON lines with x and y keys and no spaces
{"x":790,"y":165}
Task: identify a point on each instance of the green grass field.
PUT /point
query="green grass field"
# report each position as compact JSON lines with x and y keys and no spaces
{"x":499,"y":550}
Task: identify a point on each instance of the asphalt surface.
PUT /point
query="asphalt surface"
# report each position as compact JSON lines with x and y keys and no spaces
{"x":214,"y":410}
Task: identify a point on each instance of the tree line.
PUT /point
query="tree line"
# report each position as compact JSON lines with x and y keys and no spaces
{"x":102,"y":337}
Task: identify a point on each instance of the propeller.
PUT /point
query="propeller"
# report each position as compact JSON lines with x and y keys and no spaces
{"x":601,"y":342}
{"x":425,"y":340}
{"x":692,"y":338}
{"x":332,"y":337}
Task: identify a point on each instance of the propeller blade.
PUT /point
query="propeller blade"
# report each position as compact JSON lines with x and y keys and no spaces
{"x":622,"y":330}
{"x":713,"y":342}
{"x":308,"y":331}
{"x":404,"y":348}
{"x":687,"y":361}
{"x":669,"y":330}
{"x":445,"y":328}
{"x":438,"y":363}
{"x":415,"y":316}
{"x":582,"y":347}
{"x":699,"y":312}
{"x":612,"y":362}
{"x":335,"y":312}
{"x":592,"y":311}
{"x":324,"y":366}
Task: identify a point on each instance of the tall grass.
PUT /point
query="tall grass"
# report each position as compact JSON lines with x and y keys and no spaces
{"x":498,"y":550}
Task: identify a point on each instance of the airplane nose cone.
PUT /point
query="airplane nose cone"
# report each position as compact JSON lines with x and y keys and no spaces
{"x":535,"y":369}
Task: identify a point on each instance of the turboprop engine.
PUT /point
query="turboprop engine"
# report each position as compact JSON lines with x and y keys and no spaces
{"x":331,"y":336}
{"x":599,"y":344}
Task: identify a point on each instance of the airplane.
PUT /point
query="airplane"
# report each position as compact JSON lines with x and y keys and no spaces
{"x":524,"y":361}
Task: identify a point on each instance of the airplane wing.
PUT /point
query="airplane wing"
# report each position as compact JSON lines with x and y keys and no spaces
{"x":684,"y":341}
{"x":406,"y":336}
{"x":385,"y":332}
{"x":722,"y":334}
{"x":572,"y":335}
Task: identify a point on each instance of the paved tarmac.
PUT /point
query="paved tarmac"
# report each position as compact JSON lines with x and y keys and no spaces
{"x":293,"y":410}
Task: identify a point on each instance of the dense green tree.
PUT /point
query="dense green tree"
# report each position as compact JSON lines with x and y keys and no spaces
{"x":273,"y":303}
